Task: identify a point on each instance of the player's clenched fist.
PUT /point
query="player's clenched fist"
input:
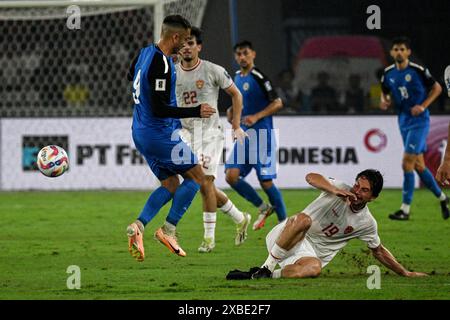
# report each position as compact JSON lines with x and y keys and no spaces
{"x":206,"y":110}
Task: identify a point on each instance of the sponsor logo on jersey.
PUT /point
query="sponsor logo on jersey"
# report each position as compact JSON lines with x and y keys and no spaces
{"x":348,"y":230}
{"x":268,"y":86}
{"x":199,"y":84}
{"x":408,"y":77}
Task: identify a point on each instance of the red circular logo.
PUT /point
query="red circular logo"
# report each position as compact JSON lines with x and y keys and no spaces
{"x":375,"y":140}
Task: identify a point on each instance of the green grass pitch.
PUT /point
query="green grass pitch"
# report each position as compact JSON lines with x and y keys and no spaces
{"x":42,"y":233}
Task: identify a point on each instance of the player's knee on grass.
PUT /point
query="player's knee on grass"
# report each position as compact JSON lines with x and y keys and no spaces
{"x":171,"y":183}
{"x":307,"y":267}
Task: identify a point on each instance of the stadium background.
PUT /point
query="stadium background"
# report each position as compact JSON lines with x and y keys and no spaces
{"x":55,"y":82}
{"x":68,"y":87}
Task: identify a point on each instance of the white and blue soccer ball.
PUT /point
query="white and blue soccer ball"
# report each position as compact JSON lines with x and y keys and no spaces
{"x":52,"y":161}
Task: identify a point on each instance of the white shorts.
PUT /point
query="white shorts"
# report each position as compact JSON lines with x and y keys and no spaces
{"x":208,"y":150}
{"x":300,"y":250}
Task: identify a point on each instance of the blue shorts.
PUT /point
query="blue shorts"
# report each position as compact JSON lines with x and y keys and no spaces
{"x":258,"y":152}
{"x":166,"y":156}
{"x":415,"y":139}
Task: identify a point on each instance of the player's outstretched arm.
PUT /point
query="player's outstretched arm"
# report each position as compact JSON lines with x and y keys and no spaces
{"x":387,"y":259}
{"x":320,"y":182}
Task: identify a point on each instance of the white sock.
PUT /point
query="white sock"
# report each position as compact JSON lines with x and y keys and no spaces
{"x":230,"y":209}
{"x":442,"y":197}
{"x":276,"y":255}
{"x":276,"y":274}
{"x":405,"y":208}
{"x":209,"y":223}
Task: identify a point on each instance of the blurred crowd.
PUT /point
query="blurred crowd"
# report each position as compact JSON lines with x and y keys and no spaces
{"x":323,"y":98}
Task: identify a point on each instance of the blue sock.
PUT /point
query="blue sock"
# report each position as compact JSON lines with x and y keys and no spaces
{"x":182,"y":200}
{"x":429,"y":181}
{"x":155,"y":202}
{"x":247,"y":191}
{"x":408,"y":187}
{"x":277,"y":202}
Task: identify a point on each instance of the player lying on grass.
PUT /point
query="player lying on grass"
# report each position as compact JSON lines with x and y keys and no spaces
{"x":305,"y":243}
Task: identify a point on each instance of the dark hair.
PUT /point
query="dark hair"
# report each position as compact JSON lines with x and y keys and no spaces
{"x":375,"y":179}
{"x":197,"y":34}
{"x":243,"y":44}
{"x":177,"y":21}
{"x":402,"y":40}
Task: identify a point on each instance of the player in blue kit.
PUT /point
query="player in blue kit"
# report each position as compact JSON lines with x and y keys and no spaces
{"x":259,"y":150}
{"x":154,"y":131}
{"x":413,"y":89}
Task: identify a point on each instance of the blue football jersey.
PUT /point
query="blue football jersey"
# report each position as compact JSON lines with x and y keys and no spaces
{"x":154,"y":83}
{"x":408,"y":87}
{"x":257,"y":93}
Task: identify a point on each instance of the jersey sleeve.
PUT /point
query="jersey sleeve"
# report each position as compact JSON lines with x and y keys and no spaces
{"x":370,"y":235}
{"x":221,"y":77}
{"x":160,"y":78}
{"x":265,"y":84}
{"x":427,"y":78}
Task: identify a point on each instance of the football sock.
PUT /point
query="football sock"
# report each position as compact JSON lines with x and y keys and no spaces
{"x":276,"y":254}
{"x":247,"y":191}
{"x":429,"y":181}
{"x":277,"y":202}
{"x":442,"y":197}
{"x":155,"y":202}
{"x":182,"y":200}
{"x":408,"y":187}
{"x":230,"y":209}
{"x":209,"y":223}
{"x":405,"y":208}
{"x":276,"y":274}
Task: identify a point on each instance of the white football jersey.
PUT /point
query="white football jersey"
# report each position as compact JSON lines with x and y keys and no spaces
{"x":201,"y":84}
{"x":334,"y":223}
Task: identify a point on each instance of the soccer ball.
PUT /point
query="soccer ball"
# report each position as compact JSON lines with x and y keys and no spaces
{"x":52,"y":161}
